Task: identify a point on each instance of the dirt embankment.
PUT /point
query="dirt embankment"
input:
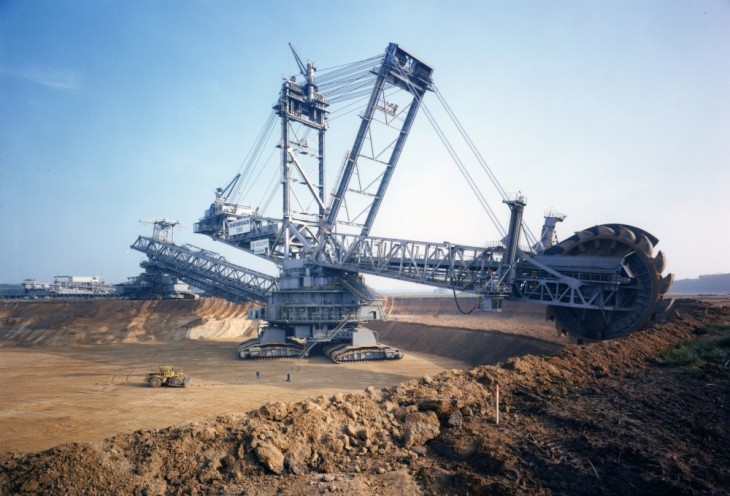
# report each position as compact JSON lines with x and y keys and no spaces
{"x":519,"y":318}
{"x":466,"y":345}
{"x":600,"y":419}
{"x":55,"y":323}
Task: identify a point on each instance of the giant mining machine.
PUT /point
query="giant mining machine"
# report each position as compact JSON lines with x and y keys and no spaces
{"x":600,"y":283}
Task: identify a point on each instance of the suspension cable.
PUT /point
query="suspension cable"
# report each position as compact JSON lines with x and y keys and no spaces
{"x":253,"y":158}
{"x":470,"y":143}
{"x":269,"y":191}
{"x":462,"y":168}
{"x":480,"y":159}
{"x":353,"y":82}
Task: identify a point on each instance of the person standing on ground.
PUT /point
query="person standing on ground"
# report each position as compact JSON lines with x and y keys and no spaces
{"x":288,"y":377}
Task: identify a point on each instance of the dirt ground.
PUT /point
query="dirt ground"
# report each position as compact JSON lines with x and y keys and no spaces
{"x":88,"y":393}
{"x":74,"y":371}
{"x":599,"y":419}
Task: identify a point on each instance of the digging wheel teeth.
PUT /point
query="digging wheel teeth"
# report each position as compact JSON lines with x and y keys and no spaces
{"x":645,"y":300}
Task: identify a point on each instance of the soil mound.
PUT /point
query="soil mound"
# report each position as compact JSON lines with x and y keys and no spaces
{"x":600,"y":419}
{"x":53,"y":323}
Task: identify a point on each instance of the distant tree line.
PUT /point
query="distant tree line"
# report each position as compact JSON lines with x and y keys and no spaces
{"x":713,"y":283}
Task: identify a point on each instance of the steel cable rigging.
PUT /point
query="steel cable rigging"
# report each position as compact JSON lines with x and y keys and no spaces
{"x":471,"y":182}
{"x":348,"y":85}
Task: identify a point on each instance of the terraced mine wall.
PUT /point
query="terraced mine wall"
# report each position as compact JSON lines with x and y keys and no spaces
{"x":53,"y":322}
{"x":425,"y":325}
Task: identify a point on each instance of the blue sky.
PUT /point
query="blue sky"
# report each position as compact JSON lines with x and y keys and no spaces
{"x":116,"y":111}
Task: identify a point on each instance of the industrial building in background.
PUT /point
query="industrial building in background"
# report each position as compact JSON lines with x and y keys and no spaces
{"x":69,"y":287}
{"x":601,"y":283}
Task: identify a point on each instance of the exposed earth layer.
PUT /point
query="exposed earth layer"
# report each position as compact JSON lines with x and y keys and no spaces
{"x":608,"y":418}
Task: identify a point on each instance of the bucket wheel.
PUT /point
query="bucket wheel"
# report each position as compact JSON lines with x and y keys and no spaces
{"x":642,"y":297}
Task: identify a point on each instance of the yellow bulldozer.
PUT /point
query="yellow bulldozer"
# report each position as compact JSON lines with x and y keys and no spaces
{"x":168,"y":376}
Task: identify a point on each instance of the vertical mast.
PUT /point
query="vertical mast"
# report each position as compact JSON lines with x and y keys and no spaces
{"x":301,"y":109}
{"x":512,"y":241}
{"x":285,"y":180}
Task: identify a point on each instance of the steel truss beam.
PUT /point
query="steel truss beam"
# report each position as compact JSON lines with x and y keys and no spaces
{"x":481,"y":270}
{"x":206,"y":270}
{"x":385,"y":125}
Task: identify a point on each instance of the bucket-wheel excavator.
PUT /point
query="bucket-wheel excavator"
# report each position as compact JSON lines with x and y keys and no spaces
{"x":600,"y":283}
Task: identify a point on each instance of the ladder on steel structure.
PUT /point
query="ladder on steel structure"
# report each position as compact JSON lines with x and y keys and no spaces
{"x":328,"y":336}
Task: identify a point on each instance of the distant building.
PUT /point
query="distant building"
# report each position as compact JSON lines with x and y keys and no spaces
{"x":69,"y":286}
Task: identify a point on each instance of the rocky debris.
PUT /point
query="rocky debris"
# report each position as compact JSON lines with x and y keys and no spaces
{"x":420,"y":427}
{"x":598,"y":419}
{"x":270,"y":457}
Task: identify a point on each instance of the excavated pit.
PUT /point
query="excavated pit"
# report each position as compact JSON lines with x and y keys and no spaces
{"x":609,"y":418}
{"x":472,"y":347}
{"x":66,"y":362}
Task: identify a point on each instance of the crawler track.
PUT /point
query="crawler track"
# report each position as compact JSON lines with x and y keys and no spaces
{"x":253,"y":349}
{"x":345,"y":353}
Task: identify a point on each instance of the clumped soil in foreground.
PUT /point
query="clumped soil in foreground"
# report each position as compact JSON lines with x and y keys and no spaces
{"x":600,"y":419}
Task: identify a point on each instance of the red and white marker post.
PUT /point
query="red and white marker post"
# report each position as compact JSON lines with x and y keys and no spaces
{"x":497,"y":393}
